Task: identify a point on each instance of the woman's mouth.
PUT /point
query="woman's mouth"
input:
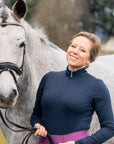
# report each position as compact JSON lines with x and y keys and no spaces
{"x":73,"y":57}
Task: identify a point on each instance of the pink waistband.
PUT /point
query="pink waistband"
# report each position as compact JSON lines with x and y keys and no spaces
{"x":65,"y":138}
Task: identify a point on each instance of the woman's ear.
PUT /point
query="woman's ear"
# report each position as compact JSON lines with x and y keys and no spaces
{"x":87,"y":64}
{"x":19,"y":8}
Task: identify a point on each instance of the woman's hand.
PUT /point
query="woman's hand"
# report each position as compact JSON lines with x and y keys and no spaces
{"x":70,"y":142}
{"x":41,"y":131}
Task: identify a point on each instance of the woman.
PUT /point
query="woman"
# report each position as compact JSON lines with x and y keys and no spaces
{"x":66,"y":100}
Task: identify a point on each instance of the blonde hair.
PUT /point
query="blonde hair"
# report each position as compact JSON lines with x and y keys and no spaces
{"x":95,"y":41}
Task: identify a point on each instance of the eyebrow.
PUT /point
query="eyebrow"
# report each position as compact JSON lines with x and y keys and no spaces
{"x":78,"y":45}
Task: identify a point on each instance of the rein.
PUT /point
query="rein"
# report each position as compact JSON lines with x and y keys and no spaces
{"x":21,"y":129}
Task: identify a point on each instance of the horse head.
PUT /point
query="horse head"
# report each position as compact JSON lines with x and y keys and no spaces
{"x":12,"y":51}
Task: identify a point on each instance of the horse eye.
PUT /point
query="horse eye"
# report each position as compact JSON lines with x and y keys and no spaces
{"x":23,"y":44}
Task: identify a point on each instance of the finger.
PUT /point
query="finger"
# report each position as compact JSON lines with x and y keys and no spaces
{"x":36,"y":133}
{"x":70,"y":142}
{"x":45,"y":133}
{"x":42,"y":131}
{"x":37,"y":125}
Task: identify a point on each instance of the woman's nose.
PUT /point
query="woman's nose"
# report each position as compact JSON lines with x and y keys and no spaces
{"x":76,"y":50}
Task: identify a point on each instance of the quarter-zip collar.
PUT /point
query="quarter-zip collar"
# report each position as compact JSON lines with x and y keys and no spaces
{"x":75,"y":73}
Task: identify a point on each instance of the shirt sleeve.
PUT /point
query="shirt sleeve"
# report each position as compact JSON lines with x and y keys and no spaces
{"x":37,"y":111}
{"x":103,"y":108}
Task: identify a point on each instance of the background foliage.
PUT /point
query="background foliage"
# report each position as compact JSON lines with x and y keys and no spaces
{"x":102,"y":11}
{"x":63,"y":18}
{"x":103,"y":16}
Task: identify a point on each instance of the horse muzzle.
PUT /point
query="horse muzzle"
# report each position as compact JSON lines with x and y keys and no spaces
{"x":9,"y":85}
{"x":10,"y":101}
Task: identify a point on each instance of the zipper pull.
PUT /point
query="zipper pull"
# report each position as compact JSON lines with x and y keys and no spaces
{"x":71,"y":74}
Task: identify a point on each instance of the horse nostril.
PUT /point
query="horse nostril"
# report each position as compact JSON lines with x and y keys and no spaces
{"x":14,"y":93}
{"x":1,"y":100}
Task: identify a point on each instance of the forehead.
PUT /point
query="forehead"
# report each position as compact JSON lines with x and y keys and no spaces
{"x":82,"y":41}
{"x":6,"y":16}
{"x":12,"y":31}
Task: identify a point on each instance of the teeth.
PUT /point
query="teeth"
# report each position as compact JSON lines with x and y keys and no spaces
{"x":73,"y":57}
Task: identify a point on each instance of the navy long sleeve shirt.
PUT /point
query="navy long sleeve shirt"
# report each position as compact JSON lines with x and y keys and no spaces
{"x":65,"y":103}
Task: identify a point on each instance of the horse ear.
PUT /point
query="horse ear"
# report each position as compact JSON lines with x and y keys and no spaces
{"x":19,"y":8}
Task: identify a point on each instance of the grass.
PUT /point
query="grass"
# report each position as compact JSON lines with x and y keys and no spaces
{"x":2,"y":138}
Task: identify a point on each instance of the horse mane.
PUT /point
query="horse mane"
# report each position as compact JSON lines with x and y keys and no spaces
{"x":37,"y":32}
{"x":40,"y":32}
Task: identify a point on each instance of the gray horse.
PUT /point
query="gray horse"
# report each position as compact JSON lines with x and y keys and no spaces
{"x":25,"y":56}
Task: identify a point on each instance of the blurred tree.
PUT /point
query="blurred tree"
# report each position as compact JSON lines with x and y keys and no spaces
{"x":9,"y":3}
{"x":62,"y":19}
{"x":30,"y":5}
{"x":103,"y":16}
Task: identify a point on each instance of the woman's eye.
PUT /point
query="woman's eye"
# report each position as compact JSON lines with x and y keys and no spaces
{"x":73,"y":46}
{"x":83,"y":50}
{"x":23,"y":44}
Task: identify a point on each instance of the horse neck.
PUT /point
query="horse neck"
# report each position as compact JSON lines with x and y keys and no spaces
{"x":38,"y":49}
{"x":40,"y":53}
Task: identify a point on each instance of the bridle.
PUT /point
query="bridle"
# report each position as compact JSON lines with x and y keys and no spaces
{"x":11,"y":67}
{"x":8,"y":66}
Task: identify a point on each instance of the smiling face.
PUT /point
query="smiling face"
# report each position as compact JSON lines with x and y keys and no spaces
{"x":78,"y":53}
